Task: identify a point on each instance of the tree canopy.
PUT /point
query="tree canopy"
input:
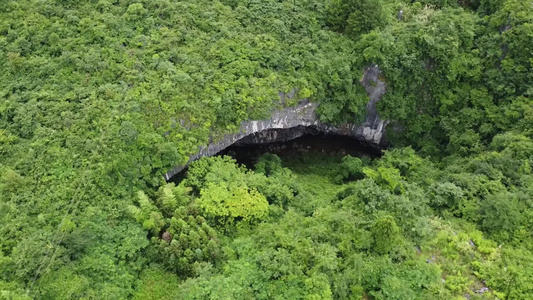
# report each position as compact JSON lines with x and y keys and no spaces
{"x":98,"y":99}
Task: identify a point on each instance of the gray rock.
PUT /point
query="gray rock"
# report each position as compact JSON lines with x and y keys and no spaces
{"x":302,"y":119}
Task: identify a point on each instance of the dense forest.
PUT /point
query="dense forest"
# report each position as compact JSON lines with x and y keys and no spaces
{"x":100,"y":98}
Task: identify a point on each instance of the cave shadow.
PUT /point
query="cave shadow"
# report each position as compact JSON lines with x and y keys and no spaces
{"x":292,"y":143}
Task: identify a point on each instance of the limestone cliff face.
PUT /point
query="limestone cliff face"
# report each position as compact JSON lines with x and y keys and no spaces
{"x":375,"y":88}
{"x":302,"y":119}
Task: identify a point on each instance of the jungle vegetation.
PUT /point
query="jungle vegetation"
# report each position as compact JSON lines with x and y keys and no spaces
{"x":99,"y":98}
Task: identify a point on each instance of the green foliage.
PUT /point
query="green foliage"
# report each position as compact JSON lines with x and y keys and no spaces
{"x":511,"y":275}
{"x":501,"y":214}
{"x":10,"y":181}
{"x":181,"y":237}
{"x":213,"y":170}
{"x":355,"y":17}
{"x":445,"y":195}
{"x":147,"y":214}
{"x":155,"y":284}
{"x":268,"y":164}
{"x":465,"y":143}
{"x":233,"y":181}
{"x":386,"y":177}
{"x":228,"y":203}
{"x":441,"y":3}
{"x":410,"y":164}
{"x":350,"y":168}
{"x":63,"y":284}
{"x":98,"y":99}
{"x":385,"y":233}
{"x":488,"y":7}
{"x":450,"y":81}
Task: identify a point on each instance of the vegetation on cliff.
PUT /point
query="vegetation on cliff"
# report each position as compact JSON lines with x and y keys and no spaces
{"x":99,"y":98}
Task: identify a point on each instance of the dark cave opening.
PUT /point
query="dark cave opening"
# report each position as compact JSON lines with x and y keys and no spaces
{"x":291,"y":144}
{"x":334,"y":145}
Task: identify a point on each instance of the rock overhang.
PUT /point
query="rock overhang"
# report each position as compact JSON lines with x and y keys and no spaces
{"x":303,"y":115}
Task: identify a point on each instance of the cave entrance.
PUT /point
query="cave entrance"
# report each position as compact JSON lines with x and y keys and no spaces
{"x":320,"y":143}
{"x":292,"y":143}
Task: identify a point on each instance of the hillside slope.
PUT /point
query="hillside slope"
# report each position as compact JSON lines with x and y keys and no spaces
{"x":98,"y":99}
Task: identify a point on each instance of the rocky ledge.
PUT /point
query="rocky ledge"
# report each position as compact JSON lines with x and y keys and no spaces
{"x":302,"y":119}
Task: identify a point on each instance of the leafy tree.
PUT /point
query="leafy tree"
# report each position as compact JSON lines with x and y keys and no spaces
{"x":501,"y":214}
{"x":355,"y":17}
{"x":386,"y":177}
{"x":147,"y":214}
{"x":350,"y":168}
{"x":268,"y":164}
{"x":386,"y":234}
{"x":157,"y":284}
{"x":445,"y":196}
{"x":228,"y":203}
{"x":183,"y":238}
